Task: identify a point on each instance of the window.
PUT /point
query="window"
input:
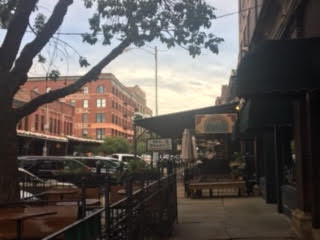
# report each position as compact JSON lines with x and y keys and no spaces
{"x":36,"y":122}
{"x":112,"y":118}
{"x":112,"y":104}
{"x":100,"y":133}
{"x":85,"y":103}
{"x":73,"y":102}
{"x":85,"y":90}
{"x":51,"y":125}
{"x":55,"y":126}
{"x":100,"y":89}
{"x":113,"y":90}
{"x":42,"y":123}
{"x":84,"y":117}
{"x":71,"y":129}
{"x":59,"y":127}
{"x":84,"y":132}
{"x":20,"y":125}
{"x":26,"y":123}
{"x":101,"y":103}
{"x":100,"y":117}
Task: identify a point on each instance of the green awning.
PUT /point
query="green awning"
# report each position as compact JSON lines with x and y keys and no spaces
{"x":261,"y":112}
{"x":172,"y":125}
{"x":280,"y":66}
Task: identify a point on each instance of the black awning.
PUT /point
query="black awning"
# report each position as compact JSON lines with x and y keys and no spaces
{"x":280,"y":66}
{"x":172,"y":125}
{"x":261,"y":112}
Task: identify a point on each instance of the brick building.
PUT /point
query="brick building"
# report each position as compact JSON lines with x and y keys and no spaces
{"x":104,"y":107}
{"x":49,"y":124}
{"x":142,"y":109}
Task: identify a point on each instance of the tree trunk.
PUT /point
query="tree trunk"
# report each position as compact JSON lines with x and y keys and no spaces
{"x":9,"y":186}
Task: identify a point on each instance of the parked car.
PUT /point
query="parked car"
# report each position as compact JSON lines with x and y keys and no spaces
{"x":107,"y":165}
{"x":50,"y":166}
{"x":31,"y":184}
{"x":24,"y":195}
{"x":123,"y":157}
{"x":147,"y":158}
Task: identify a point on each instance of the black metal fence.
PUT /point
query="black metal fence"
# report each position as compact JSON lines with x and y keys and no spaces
{"x":147,"y":209}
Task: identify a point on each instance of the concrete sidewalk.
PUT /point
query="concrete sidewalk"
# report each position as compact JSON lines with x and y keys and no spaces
{"x":229,"y":218}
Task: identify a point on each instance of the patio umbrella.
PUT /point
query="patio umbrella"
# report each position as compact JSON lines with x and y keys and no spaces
{"x":186,"y":147}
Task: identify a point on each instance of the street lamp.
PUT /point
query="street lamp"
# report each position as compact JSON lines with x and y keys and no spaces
{"x":155,"y":54}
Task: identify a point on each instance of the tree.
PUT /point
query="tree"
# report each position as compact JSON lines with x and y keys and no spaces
{"x":114,"y":145}
{"x":173,"y":22}
{"x":141,"y":147}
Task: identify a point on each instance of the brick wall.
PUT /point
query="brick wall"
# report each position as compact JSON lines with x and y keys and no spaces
{"x":103,"y":107}
{"x":55,"y":118}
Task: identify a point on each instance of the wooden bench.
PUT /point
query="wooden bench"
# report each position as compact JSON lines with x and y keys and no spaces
{"x":219,"y":188}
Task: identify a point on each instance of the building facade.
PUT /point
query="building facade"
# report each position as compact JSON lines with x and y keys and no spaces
{"x":276,"y":19}
{"x":142,"y":109}
{"x":45,"y":131}
{"x":286,"y":152}
{"x":55,"y":119}
{"x":227,"y":91}
{"x":104,"y":107}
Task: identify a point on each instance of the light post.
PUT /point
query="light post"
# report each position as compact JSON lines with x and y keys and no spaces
{"x":156,"y":78}
{"x":155,"y":54}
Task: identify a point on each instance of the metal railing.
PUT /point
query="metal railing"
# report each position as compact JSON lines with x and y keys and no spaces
{"x":149,"y":211}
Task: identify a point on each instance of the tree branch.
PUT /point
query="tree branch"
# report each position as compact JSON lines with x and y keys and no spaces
{"x":93,"y":74}
{"x":24,"y":62}
{"x":16,"y":30}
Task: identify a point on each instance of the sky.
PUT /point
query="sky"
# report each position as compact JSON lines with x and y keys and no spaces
{"x":184,"y":82}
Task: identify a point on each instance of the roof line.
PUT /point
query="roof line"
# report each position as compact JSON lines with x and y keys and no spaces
{"x":190,"y":111}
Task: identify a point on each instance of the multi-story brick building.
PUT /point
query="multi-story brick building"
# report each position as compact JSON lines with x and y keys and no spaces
{"x":104,"y":107}
{"x":45,"y":130}
{"x":140,"y":97}
{"x":55,"y":118}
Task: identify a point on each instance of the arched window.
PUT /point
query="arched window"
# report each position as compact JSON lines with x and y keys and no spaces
{"x":100,"y":89}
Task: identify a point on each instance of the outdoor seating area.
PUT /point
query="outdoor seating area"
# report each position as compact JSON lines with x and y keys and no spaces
{"x":216,"y":187}
{"x":93,"y":204}
{"x":31,"y":221}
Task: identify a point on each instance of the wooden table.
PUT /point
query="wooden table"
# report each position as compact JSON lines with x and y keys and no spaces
{"x":199,"y":186}
{"x":19,"y":217}
{"x":59,"y":193}
{"x":89,"y":202}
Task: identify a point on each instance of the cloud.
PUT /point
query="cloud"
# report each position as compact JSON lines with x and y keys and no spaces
{"x":184,"y":82}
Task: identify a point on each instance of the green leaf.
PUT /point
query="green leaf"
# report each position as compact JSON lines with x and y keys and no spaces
{"x":83,"y":62}
{"x":41,"y":59}
{"x":39,"y":22}
{"x":54,"y":75}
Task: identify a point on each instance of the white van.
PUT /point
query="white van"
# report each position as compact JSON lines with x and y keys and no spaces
{"x":123,"y":157}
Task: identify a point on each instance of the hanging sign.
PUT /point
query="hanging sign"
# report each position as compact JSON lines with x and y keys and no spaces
{"x":215,"y":123}
{"x":159,"y":144}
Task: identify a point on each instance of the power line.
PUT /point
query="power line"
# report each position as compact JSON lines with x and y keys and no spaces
{"x":217,"y":17}
{"x":237,"y":12}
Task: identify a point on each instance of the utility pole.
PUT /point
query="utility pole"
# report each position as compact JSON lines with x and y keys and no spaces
{"x":156,"y":77}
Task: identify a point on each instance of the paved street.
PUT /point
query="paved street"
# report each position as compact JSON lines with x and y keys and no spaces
{"x":229,"y":218}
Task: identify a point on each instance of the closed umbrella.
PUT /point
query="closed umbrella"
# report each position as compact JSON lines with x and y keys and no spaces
{"x":186,"y":147}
